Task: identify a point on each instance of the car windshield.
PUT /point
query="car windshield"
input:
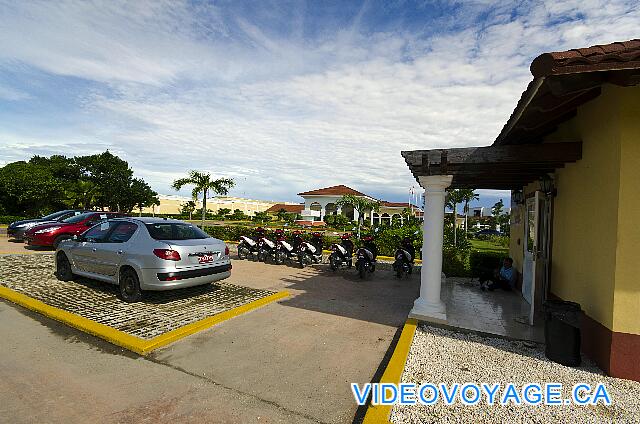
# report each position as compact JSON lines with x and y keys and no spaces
{"x":77,"y":218}
{"x":175,"y":231}
{"x":55,"y":215}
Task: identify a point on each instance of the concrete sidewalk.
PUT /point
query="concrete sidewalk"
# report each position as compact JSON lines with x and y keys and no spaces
{"x":290,"y":361}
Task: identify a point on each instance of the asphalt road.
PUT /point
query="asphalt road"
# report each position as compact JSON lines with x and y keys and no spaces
{"x":290,"y":361}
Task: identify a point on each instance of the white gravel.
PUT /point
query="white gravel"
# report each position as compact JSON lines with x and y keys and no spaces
{"x":442,"y":356}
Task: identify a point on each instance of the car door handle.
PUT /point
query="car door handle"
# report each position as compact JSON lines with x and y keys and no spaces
{"x":94,"y":249}
{"x":120,"y":252}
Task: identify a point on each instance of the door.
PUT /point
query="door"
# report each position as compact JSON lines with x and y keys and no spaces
{"x":85,"y":253}
{"x":536,"y":252}
{"x":110,"y":252}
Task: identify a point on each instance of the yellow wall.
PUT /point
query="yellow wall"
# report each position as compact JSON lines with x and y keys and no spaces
{"x":596,"y":223}
{"x":626,"y":300}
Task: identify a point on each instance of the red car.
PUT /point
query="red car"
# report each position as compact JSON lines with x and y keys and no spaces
{"x":52,"y":234}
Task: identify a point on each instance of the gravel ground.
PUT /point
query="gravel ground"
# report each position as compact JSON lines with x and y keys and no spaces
{"x":439,"y":355}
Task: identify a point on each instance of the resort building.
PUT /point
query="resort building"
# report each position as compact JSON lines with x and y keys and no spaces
{"x":172,"y":205}
{"x":322,"y":202}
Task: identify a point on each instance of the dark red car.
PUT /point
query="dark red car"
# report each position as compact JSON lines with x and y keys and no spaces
{"x":53,"y":233}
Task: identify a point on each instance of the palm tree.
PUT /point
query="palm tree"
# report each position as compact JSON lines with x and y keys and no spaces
{"x":359,"y":204}
{"x":468,"y":196}
{"x":189,"y":207}
{"x":454,"y":196}
{"x":202,"y":183}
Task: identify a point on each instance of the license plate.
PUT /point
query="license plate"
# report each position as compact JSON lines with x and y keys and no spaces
{"x":206,"y":259}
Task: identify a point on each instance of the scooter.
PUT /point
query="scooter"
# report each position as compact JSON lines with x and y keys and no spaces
{"x":266,"y":248}
{"x":284,"y":250}
{"x":404,"y":256}
{"x":249,"y":245}
{"x":310,"y":252}
{"x":342,"y":253}
{"x":366,"y":257}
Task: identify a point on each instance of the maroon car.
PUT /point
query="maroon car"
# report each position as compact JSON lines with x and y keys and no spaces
{"x":53,"y":233}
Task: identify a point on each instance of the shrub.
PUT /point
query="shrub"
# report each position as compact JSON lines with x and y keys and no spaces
{"x":483,"y":263}
{"x":502,"y":241}
{"x":8,"y":219}
{"x":455,"y":263}
{"x":388,"y":237}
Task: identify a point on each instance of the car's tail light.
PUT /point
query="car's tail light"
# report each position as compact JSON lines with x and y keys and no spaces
{"x":167,"y":254}
{"x":226,"y":250}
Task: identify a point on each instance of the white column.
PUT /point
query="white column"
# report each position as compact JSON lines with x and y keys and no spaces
{"x":371,"y":217}
{"x":429,"y":306}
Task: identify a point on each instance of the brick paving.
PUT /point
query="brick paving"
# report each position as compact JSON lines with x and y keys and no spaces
{"x":158,"y":313}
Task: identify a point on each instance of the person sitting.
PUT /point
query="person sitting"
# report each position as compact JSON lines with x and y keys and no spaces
{"x":505,"y":278}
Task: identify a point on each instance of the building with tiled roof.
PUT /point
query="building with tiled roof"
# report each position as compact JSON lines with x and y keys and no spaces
{"x":322,"y":202}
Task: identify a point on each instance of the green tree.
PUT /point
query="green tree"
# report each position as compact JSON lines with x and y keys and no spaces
{"x":187,"y":208}
{"x":83,"y":194}
{"x":30,"y":189}
{"x":468,"y":196}
{"x":139,"y":196}
{"x":281,"y":214}
{"x":496,"y":210}
{"x":202,"y":183}
{"x":262,"y":217}
{"x":360,"y":205}
{"x":454,"y":196}
{"x":223,"y":212}
{"x":238,"y":215}
{"x":112,"y":177}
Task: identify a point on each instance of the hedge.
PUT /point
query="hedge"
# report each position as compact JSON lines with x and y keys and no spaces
{"x":482,"y":264}
{"x":8,"y":219}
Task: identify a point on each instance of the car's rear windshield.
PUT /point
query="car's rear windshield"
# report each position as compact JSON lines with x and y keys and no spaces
{"x":175,"y":231}
{"x":55,"y":215}
{"x":77,"y":218}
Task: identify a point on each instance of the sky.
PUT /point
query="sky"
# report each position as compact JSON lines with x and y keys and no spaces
{"x":283,"y":97}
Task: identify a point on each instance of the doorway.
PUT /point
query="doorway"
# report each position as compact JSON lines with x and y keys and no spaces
{"x":535,"y":267}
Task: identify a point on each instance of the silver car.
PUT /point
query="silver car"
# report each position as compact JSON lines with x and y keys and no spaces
{"x":141,"y":254}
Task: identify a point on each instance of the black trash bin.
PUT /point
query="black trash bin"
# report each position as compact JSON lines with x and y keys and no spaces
{"x":562,"y":332}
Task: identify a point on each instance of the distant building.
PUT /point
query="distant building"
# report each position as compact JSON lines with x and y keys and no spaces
{"x":172,"y":204}
{"x":322,"y":202}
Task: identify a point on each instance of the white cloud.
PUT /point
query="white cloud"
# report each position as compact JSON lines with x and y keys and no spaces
{"x":286,"y":113}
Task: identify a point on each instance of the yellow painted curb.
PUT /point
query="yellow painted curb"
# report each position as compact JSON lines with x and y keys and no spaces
{"x":392,"y":374}
{"x":127,"y":341}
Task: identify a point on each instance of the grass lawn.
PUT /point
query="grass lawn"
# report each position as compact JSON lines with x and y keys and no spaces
{"x":486,"y":246}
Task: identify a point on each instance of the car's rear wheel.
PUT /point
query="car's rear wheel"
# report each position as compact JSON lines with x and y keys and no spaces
{"x":63,"y":268}
{"x":129,"y":286}
{"x":59,"y":239}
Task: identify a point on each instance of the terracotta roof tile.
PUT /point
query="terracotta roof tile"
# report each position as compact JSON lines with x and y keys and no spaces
{"x":288,"y":208}
{"x":396,"y":204}
{"x":339,"y":190}
{"x":606,"y":57}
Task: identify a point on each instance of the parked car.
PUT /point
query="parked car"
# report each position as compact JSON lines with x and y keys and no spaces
{"x":140,"y":254}
{"x":51,"y":234}
{"x":17,"y":229}
{"x":488,"y":232}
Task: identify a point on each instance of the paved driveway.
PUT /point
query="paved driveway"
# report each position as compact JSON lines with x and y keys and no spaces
{"x":290,"y":361}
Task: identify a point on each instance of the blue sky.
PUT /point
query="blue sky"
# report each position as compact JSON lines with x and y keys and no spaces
{"x":282,"y":96}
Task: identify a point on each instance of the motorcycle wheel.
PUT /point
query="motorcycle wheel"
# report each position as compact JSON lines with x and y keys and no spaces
{"x":362,"y":270}
{"x":301,"y":261}
{"x":334,"y":262}
{"x":243,"y":252}
{"x":279,"y":258}
{"x":262,"y":255}
{"x":399,"y":270}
